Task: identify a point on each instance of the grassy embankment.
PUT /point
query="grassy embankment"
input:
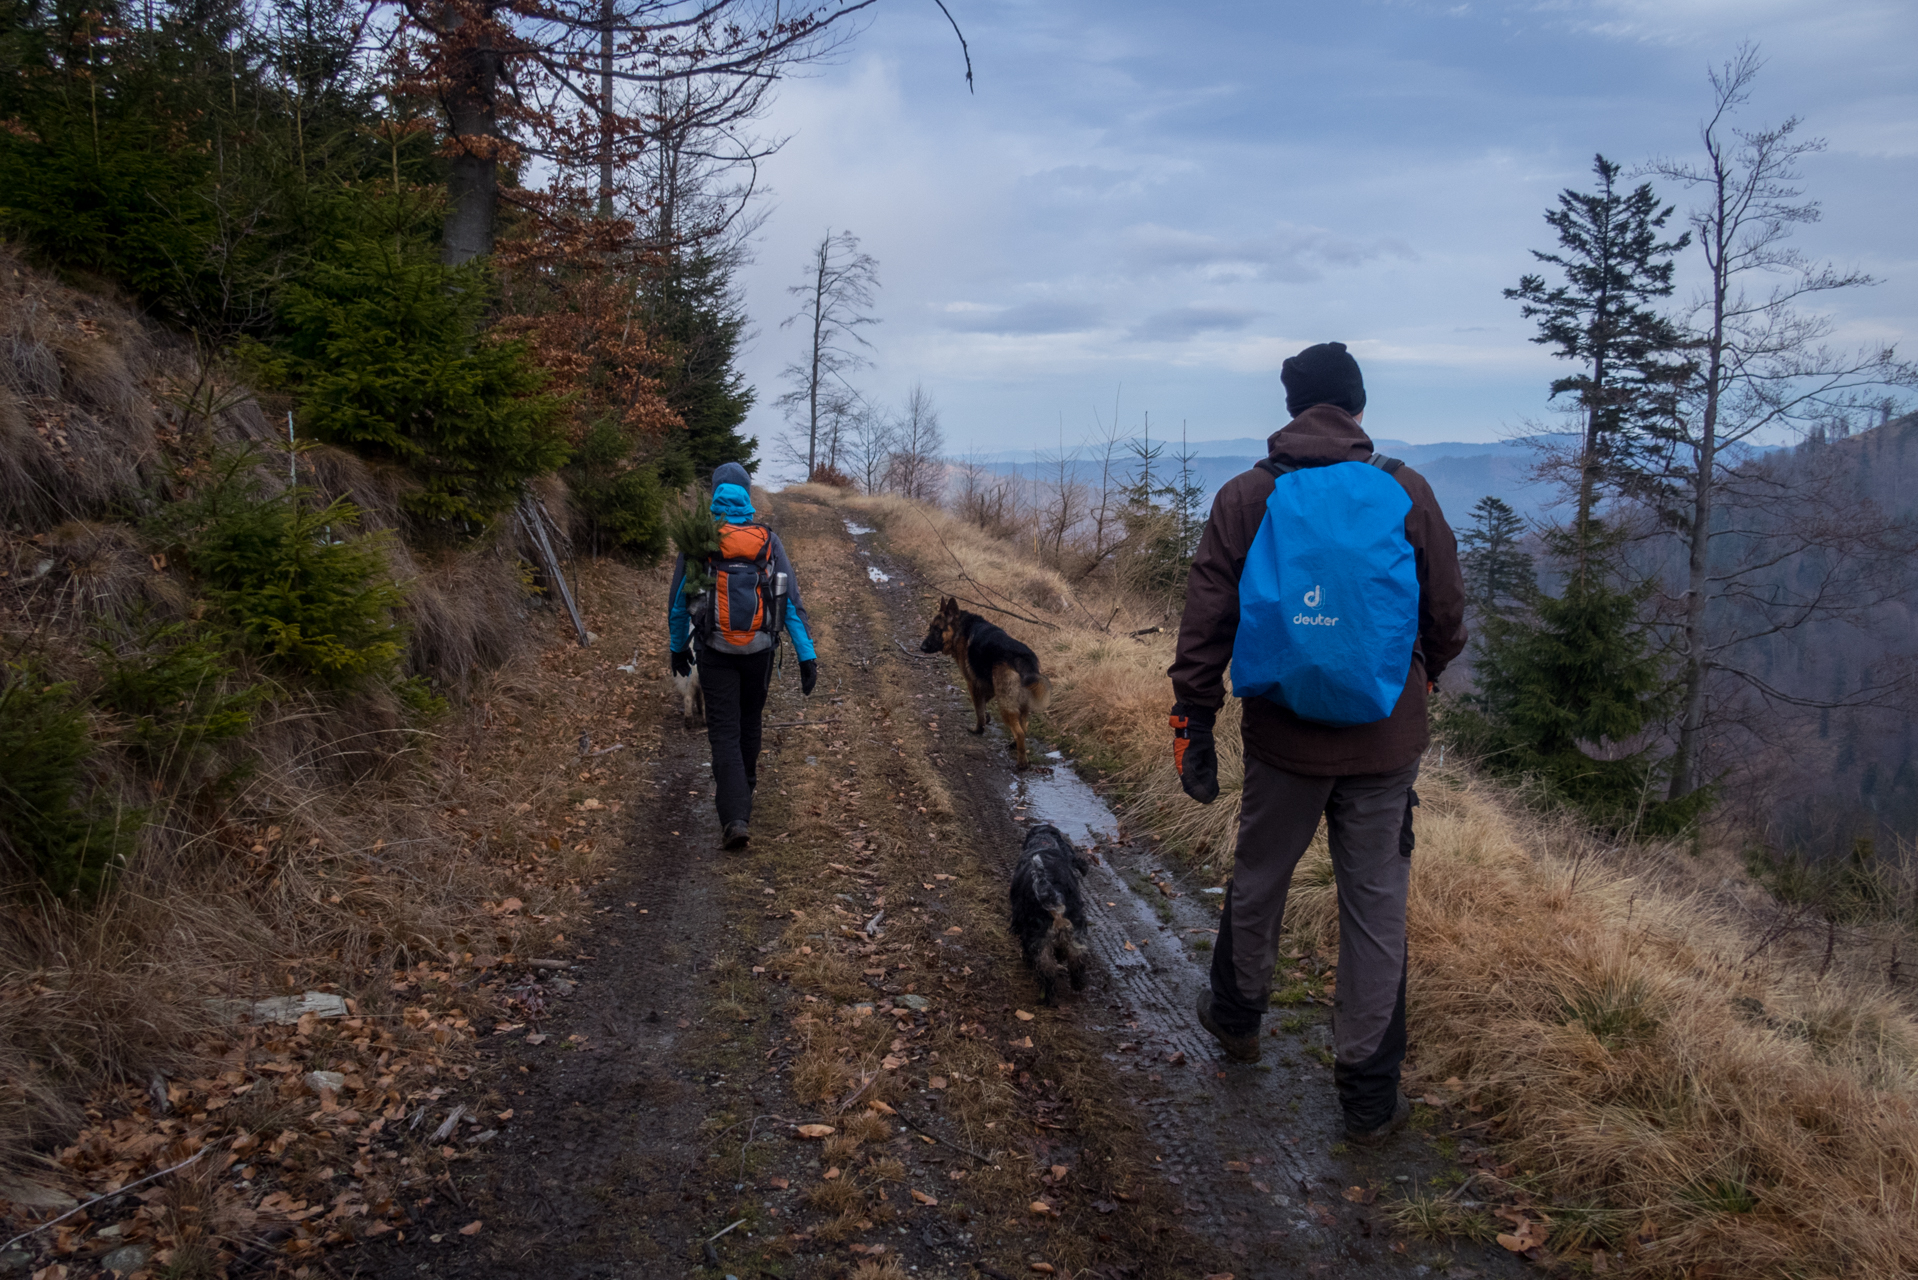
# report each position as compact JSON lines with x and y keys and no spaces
{"x":1677,"y":1095}
{"x":333,"y":838}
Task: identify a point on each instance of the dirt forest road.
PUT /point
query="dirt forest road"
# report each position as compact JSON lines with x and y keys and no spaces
{"x":825,"y":1057}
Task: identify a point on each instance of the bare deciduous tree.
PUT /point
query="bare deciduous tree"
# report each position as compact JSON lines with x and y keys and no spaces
{"x":916,"y":470}
{"x":989,"y":499}
{"x":871,"y":442}
{"x":1763,"y":366}
{"x":836,"y":298}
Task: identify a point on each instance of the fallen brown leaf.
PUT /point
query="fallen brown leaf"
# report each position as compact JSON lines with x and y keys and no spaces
{"x":935,"y":1082}
{"x":923,"y":1198}
{"x":816,"y":1131}
{"x":1237,"y":1166}
{"x":1361,"y":1195}
{"x":471,"y":1229}
{"x":1022,"y":1015}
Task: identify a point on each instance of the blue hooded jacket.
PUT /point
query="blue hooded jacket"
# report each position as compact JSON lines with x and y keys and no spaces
{"x":733,"y":504}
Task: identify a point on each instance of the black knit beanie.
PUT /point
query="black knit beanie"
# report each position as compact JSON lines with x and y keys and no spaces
{"x":1322,"y":374}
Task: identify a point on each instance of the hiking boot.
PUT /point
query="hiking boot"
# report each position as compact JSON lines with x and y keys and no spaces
{"x":737,"y":837}
{"x":1237,"y":1048}
{"x":1401,"y":1112}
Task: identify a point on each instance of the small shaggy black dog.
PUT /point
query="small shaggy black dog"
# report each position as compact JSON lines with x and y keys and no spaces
{"x":1048,"y":910}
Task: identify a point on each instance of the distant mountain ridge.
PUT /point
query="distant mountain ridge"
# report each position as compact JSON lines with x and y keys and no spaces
{"x":1460,"y":472}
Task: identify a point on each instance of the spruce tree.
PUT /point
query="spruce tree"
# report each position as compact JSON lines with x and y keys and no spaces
{"x":1614,"y":265}
{"x":1567,"y":687}
{"x":1499,"y":577}
{"x":697,"y":325}
{"x":1570,"y":684}
{"x":383,"y":349}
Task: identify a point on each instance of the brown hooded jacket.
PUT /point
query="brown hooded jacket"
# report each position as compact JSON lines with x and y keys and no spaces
{"x":1321,"y":435}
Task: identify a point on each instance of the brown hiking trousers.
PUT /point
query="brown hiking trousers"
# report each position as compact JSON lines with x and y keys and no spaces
{"x":1369,"y":826}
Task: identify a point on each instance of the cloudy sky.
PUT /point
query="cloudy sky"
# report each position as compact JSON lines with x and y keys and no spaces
{"x":1160,"y":202}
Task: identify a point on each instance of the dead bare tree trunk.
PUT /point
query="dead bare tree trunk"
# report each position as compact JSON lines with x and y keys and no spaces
{"x":1764,"y":367}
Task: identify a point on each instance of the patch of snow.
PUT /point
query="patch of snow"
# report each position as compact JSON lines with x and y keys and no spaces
{"x":872,"y":571}
{"x":856,"y":529}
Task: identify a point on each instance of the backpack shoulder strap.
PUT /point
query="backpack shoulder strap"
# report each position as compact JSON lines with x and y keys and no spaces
{"x":1390,"y":466}
{"x":1274,"y":468}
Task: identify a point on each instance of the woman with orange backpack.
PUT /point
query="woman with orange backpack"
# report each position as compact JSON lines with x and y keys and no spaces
{"x":735,"y":606}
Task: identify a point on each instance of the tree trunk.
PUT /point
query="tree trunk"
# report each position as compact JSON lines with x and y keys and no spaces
{"x":606,"y":16}
{"x":1692,"y":709}
{"x":818,"y":324}
{"x":472,"y":183}
{"x":1691,"y":722}
{"x":1596,"y":398}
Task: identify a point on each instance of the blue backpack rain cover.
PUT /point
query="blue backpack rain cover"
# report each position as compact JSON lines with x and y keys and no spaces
{"x":1329,"y":597}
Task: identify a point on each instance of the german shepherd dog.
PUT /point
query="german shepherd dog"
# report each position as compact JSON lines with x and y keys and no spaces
{"x":692,"y":698}
{"x":995,"y":666}
{"x":1048,"y":911}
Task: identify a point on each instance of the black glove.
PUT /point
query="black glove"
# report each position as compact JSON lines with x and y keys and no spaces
{"x":1193,"y":755}
{"x":808,"y":675}
{"x":682,"y":662}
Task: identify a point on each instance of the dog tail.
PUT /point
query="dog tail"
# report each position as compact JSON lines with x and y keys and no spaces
{"x":1038,"y":688}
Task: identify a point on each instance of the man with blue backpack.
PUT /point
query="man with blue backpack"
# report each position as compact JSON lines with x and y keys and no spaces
{"x":1328,"y":582}
{"x":736,"y":604}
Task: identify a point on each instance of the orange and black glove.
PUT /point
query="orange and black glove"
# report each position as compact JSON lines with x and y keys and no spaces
{"x":1193,"y":754}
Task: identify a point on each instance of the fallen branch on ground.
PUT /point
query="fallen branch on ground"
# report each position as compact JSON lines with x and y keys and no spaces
{"x":108,"y":1196}
{"x":915,"y":1125}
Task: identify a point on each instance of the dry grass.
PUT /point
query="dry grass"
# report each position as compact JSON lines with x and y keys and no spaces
{"x":338,"y":845}
{"x":1696,"y":1102}
{"x":338,"y":840}
{"x":392,"y":886}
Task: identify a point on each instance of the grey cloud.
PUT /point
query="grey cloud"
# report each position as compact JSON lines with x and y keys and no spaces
{"x":1025,"y":317}
{"x":1081,"y":179}
{"x":1181,"y":323}
{"x":1288,"y":253}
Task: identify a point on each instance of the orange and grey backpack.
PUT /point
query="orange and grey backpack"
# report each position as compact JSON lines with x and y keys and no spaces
{"x":741,"y":611}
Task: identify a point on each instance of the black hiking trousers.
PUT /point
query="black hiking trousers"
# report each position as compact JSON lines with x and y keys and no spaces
{"x":735,"y":687}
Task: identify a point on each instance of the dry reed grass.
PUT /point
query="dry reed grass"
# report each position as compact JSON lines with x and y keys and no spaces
{"x":1693,"y":1101}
